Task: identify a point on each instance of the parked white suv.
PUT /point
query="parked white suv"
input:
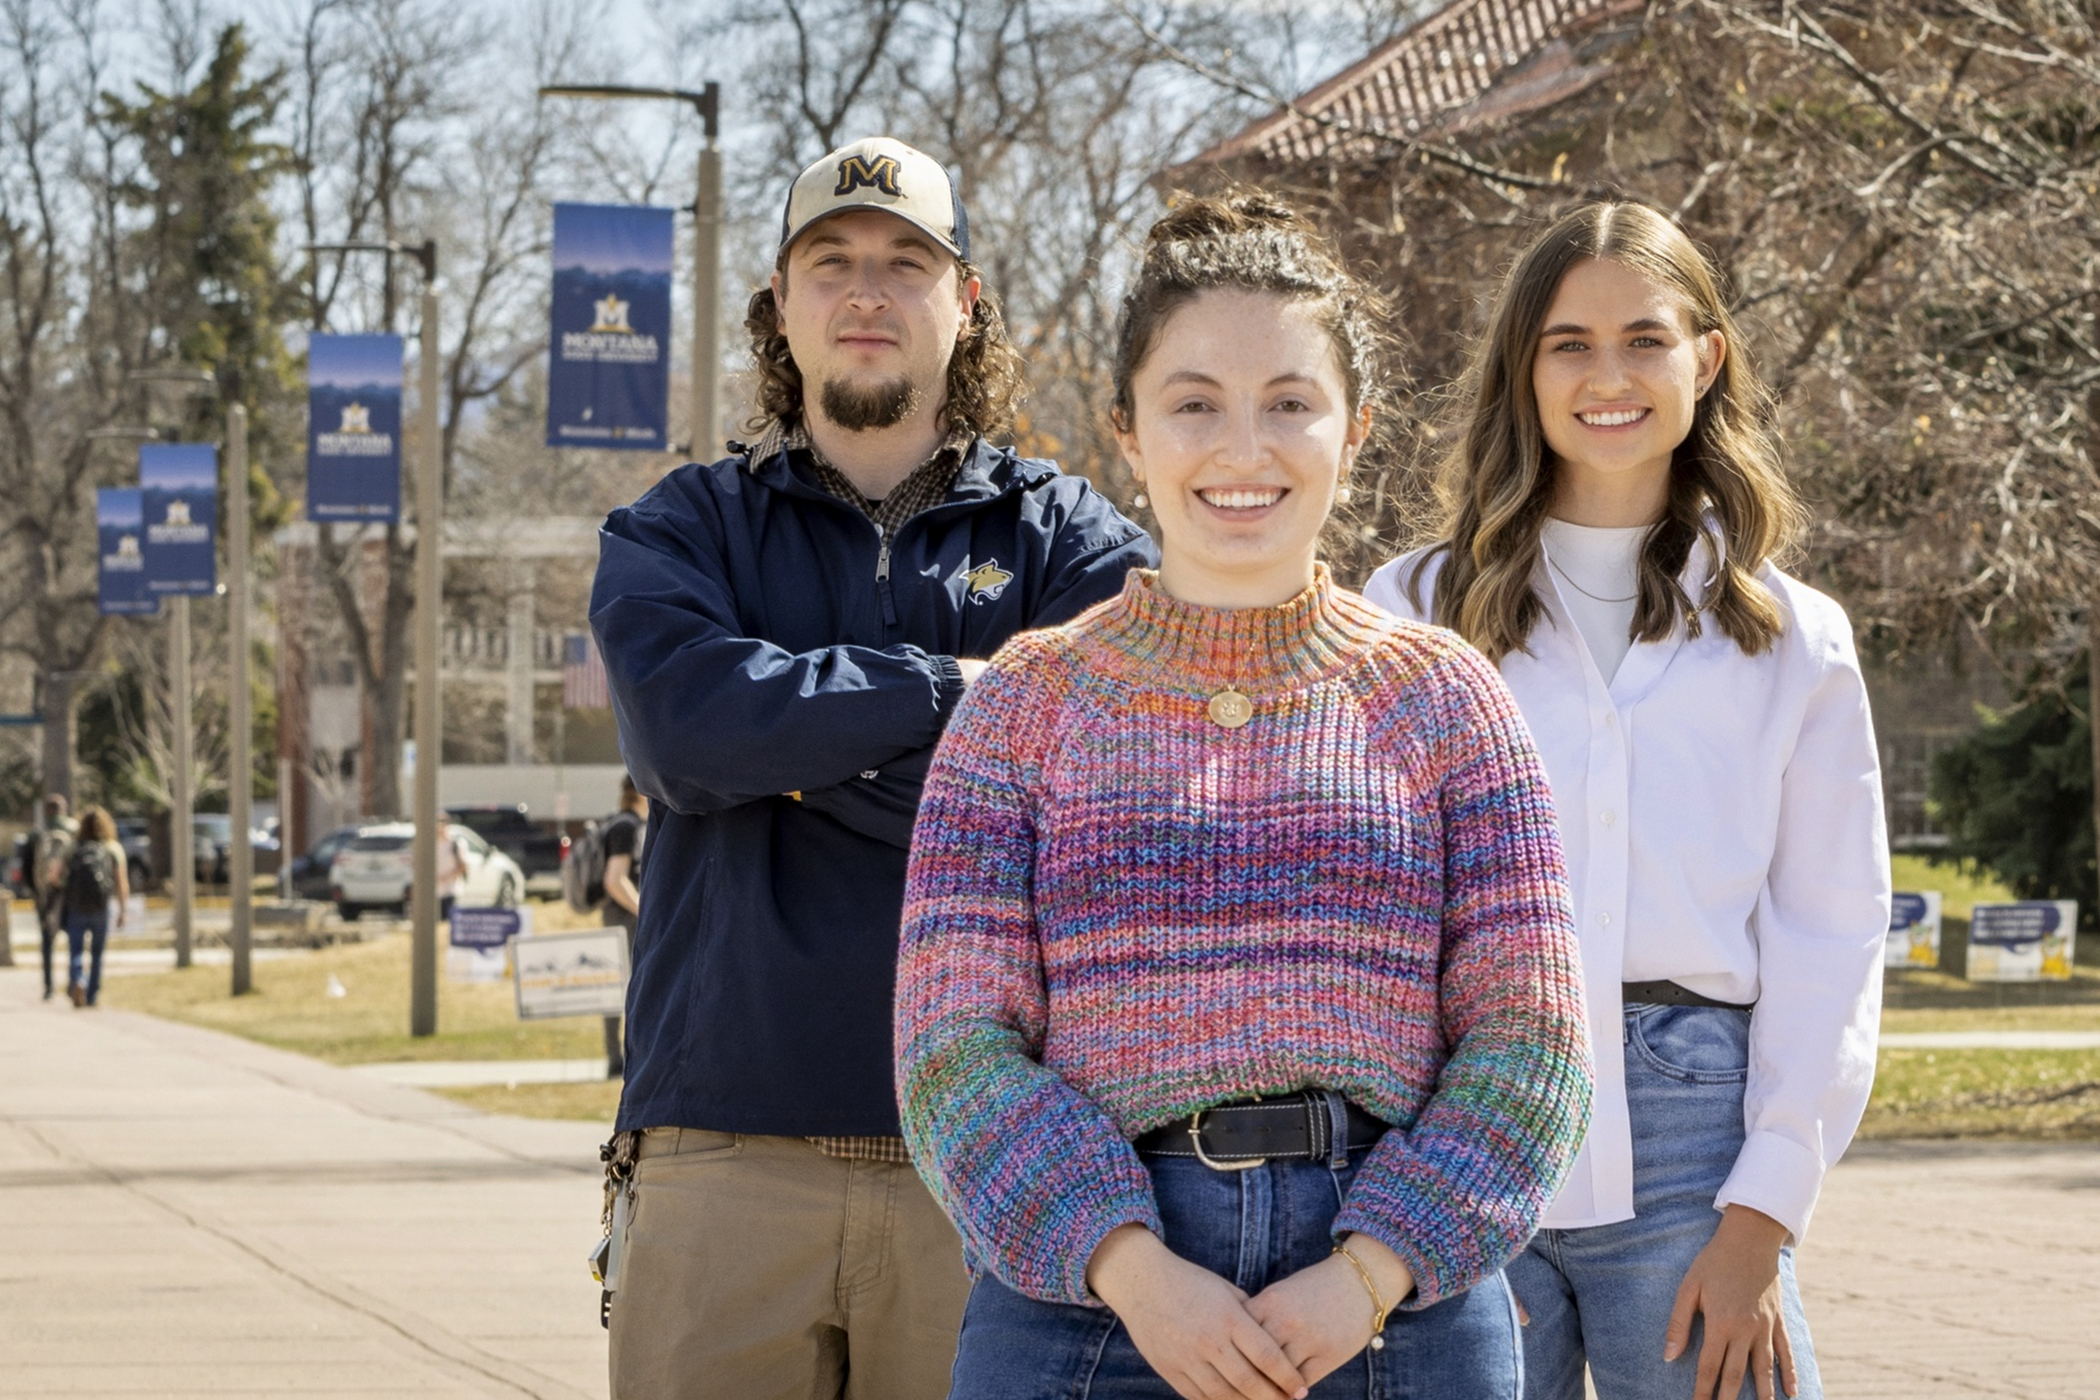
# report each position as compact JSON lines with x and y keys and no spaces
{"x":375,"y":870}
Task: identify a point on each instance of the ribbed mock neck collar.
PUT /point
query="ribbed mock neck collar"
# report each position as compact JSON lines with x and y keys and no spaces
{"x":1186,"y":646}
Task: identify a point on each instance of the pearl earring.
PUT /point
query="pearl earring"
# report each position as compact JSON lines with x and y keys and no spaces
{"x":1140,"y":501}
{"x":1343,"y":495}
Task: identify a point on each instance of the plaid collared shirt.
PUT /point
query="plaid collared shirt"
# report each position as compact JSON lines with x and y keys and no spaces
{"x":928,"y":485}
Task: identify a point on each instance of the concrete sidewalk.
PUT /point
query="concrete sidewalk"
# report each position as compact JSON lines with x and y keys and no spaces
{"x":1936,"y":1270}
{"x":187,"y":1214}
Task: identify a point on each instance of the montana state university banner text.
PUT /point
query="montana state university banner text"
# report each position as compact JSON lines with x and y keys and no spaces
{"x":180,"y":483}
{"x":353,"y":427}
{"x":609,"y":380}
{"x":120,"y":520}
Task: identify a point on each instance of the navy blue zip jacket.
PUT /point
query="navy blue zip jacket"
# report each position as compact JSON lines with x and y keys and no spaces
{"x":780,"y":678}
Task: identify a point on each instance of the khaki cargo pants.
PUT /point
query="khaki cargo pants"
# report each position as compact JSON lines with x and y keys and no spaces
{"x":759,"y":1268}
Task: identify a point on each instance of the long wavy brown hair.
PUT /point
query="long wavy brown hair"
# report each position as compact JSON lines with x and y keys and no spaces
{"x":987,"y":379}
{"x":1727,"y":485}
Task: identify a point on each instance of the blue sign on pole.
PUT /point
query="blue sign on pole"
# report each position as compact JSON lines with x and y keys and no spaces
{"x":120,"y":521}
{"x":609,"y":383}
{"x":486,"y":929}
{"x":180,"y":484}
{"x":353,"y":427}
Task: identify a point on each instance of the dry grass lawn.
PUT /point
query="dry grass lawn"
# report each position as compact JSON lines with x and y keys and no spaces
{"x":290,"y":1008}
{"x":2044,"y":1095}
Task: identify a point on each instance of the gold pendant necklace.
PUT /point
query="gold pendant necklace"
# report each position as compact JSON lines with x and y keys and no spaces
{"x":1229,"y":709}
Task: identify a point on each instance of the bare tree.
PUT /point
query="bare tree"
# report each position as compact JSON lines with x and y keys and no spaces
{"x":1053,"y":115}
{"x":61,"y":376}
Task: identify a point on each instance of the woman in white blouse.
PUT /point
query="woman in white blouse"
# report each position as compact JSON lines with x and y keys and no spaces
{"x":1614,"y":510}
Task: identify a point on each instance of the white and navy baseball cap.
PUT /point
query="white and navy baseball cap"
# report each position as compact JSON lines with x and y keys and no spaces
{"x":879,"y":173}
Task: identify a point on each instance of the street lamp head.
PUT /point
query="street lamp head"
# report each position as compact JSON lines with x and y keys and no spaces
{"x":425,"y":252}
{"x":707,"y":102}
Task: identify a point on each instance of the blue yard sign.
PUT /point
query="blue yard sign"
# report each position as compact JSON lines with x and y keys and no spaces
{"x":180,"y":484}
{"x":2027,"y":940}
{"x":609,"y":381}
{"x":120,"y":521}
{"x":353,"y":427}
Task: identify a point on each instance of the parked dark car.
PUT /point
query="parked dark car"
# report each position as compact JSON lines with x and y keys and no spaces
{"x":511,"y":830}
{"x":18,"y":867}
{"x":310,"y":871}
{"x":135,"y":835}
{"x":211,"y":843}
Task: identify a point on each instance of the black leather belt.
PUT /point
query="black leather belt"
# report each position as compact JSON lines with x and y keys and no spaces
{"x":1670,"y":994}
{"x":1236,"y":1136}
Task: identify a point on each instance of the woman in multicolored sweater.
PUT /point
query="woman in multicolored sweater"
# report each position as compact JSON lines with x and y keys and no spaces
{"x":1238,"y":1021}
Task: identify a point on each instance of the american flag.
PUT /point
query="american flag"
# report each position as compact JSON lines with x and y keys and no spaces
{"x":583,"y":674}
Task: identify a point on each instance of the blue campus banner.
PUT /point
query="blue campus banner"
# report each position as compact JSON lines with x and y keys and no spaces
{"x":120,"y":521}
{"x":609,"y":383}
{"x":353,"y":427}
{"x":180,"y":484}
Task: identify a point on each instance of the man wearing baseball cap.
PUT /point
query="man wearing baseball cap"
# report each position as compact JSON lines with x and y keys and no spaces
{"x":786,"y":631}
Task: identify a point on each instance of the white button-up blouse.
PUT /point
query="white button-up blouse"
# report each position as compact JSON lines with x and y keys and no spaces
{"x":1722,"y":820}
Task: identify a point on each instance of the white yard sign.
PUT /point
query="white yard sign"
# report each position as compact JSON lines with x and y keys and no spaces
{"x":1914,"y":931}
{"x":479,"y":948}
{"x":571,"y":974}
{"x":2031,"y":941}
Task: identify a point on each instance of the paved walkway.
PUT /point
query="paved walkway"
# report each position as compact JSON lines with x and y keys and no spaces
{"x":1943,"y":1270}
{"x":186,"y":1214}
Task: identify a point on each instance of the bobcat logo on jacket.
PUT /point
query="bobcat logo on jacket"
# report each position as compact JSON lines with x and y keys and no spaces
{"x":987,"y":581}
{"x":858,"y":172}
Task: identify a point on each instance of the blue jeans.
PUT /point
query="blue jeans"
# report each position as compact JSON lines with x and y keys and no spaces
{"x":1603,"y":1294}
{"x":78,"y":927}
{"x":1252,"y":1227}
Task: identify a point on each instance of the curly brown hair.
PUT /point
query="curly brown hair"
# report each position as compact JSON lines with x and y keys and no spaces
{"x":1248,"y":239}
{"x":987,"y":379}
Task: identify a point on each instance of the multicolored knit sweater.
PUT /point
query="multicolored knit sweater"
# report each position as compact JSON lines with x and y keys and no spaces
{"x":1119,"y":912}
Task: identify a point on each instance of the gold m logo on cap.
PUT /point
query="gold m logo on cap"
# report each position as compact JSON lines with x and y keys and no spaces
{"x":857,"y":172}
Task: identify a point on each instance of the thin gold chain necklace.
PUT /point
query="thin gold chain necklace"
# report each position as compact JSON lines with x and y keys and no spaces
{"x":1632,"y":597}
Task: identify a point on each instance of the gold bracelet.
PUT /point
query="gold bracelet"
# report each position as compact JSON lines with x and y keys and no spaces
{"x":1378,"y":1305}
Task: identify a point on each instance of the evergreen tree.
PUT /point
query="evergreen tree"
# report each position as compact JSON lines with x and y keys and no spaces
{"x":206,"y":254}
{"x":2017,"y":795}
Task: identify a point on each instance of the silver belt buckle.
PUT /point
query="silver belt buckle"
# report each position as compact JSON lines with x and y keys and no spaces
{"x":1196,"y":1140}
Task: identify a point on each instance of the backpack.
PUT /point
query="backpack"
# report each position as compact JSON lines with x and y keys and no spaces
{"x":55,"y":844}
{"x":583,"y":869}
{"x":91,"y":879}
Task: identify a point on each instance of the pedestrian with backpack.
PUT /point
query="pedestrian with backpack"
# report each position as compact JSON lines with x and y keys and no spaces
{"x":620,"y":837}
{"x":49,"y":845}
{"x":87,"y":879}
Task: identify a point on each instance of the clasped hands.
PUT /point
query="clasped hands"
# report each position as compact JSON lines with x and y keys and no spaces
{"x":1210,"y":1341}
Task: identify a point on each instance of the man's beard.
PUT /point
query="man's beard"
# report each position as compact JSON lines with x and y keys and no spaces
{"x":860,"y":409}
